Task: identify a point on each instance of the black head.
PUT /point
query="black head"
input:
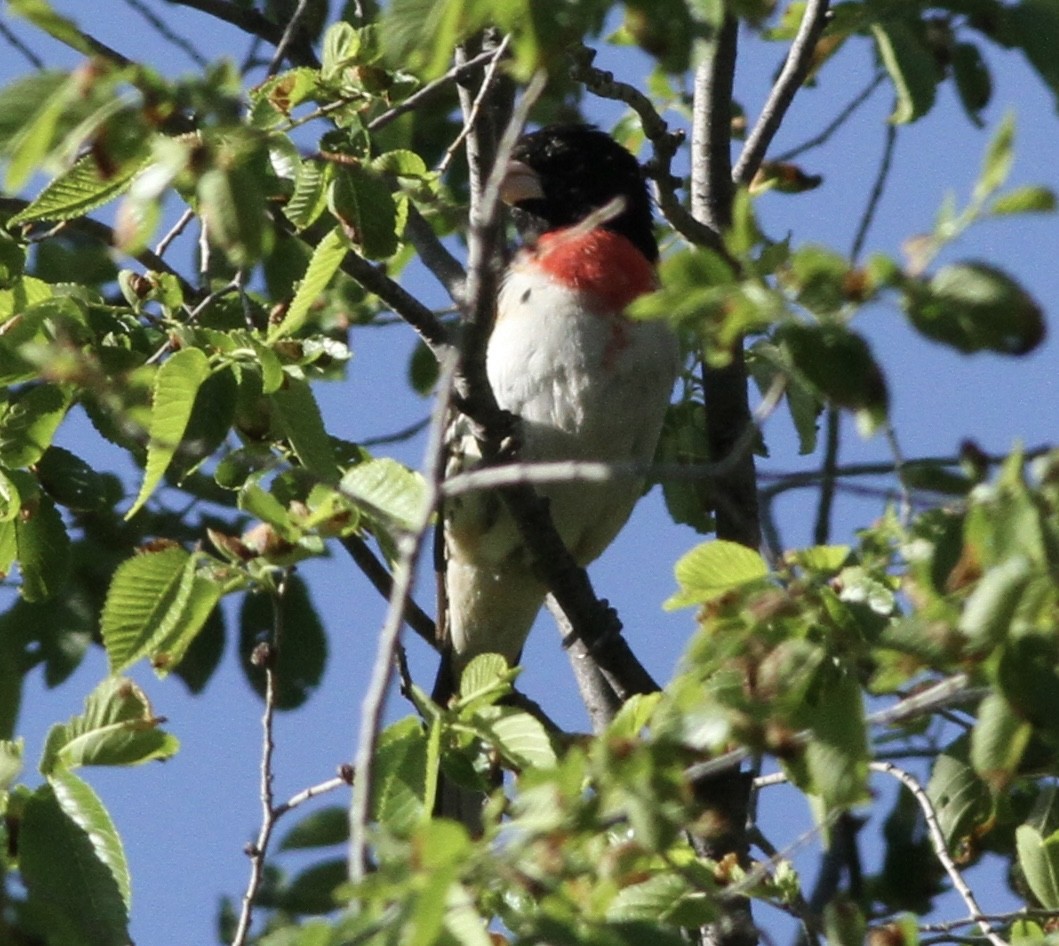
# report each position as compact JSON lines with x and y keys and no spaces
{"x":578,"y":169}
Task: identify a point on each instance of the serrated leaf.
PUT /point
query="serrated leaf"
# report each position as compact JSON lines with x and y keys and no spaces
{"x":232,"y":202}
{"x":173,"y":398}
{"x":43,"y":550}
{"x":118,"y":727}
{"x":82,"y":188}
{"x":911,"y":66}
{"x":30,"y":422}
{"x":1030,"y":199}
{"x":309,"y":199}
{"x":299,"y":417}
{"x":323,"y":264}
{"x":73,"y":864}
{"x":144,"y":603}
{"x":362,"y":201}
{"x":520,"y":737}
{"x":400,"y":774}
{"x":168,"y":649}
{"x":387,"y":491}
{"x":713,"y":568}
{"x":659,"y":899}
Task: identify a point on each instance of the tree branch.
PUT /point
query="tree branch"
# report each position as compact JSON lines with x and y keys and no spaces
{"x":791,"y":77}
{"x":250,"y":21}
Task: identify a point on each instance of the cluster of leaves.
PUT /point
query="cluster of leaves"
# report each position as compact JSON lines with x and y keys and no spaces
{"x":208,"y":390}
{"x":591,"y":843}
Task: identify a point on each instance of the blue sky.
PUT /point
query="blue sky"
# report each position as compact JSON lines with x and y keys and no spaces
{"x":185,"y":823}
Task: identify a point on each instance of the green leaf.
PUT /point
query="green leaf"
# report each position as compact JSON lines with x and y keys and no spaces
{"x":520,"y":737}
{"x":973,"y":82}
{"x":175,"y":385}
{"x":43,"y":550}
{"x":839,"y":365}
{"x":10,"y":763}
{"x":1024,"y":200}
{"x":300,"y":656}
{"x":299,"y":417}
{"x":1033,"y":25}
{"x":400,"y":774}
{"x":118,"y":727}
{"x":322,"y":828}
{"x":232,"y":201}
{"x":82,"y":188}
{"x":973,"y":306}
{"x":362,"y":202}
{"x":387,"y":491}
{"x":661,"y":898}
{"x":999,"y":156}
{"x":324,"y":263}
{"x":147,"y":598}
{"x":911,"y":65}
{"x":998,"y":741}
{"x":73,"y":864}
{"x":822,"y":560}
{"x":72,"y":483}
{"x":713,"y":568}
{"x":309,"y":199}
{"x":29,"y":423}
{"x":835,"y":762}
{"x":1039,"y":859}
{"x":962,"y":800}
{"x":987,"y":615}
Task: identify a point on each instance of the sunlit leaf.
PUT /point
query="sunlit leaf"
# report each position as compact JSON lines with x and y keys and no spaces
{"x":173,"y":399}
{"x":712,"y":569}
{"x":73,"y":864}
{"x":118,"y":727}
{"x":327,"y":257}
{"x":400,"y":776}
{"x":299,"y":417}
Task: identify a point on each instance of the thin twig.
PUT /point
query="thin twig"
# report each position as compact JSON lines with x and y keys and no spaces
{"x":410,"y":546}
{"x":828,"y":479}
{"x":879,"y":185}
{"x":185,"y":218}
{"x":791,"y":77}
{"x":291,"y":30}
{"x":471,"y":118}
{"x":251,"y":21}
{"x":13,"y":40}
{"x":460,"y":71}
{"x":163,"y":29}
{"x":313,"y":791}
{"x":837,"y":122}
{"x":946,"y":692}
{"x":381,"y":579}
{"x":938,"y":843}
{"x":265,"y":655}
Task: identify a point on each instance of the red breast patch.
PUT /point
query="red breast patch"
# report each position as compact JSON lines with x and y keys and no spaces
{"x":597,"y":261}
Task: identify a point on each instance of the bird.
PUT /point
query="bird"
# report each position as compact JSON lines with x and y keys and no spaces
{"x":581,"y":379}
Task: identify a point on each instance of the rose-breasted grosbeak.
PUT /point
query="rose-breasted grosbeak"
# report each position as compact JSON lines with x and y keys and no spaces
{"x":584,"y":381}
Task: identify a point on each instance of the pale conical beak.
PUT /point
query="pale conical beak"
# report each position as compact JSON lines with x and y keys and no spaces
{"x":520,"y":182}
